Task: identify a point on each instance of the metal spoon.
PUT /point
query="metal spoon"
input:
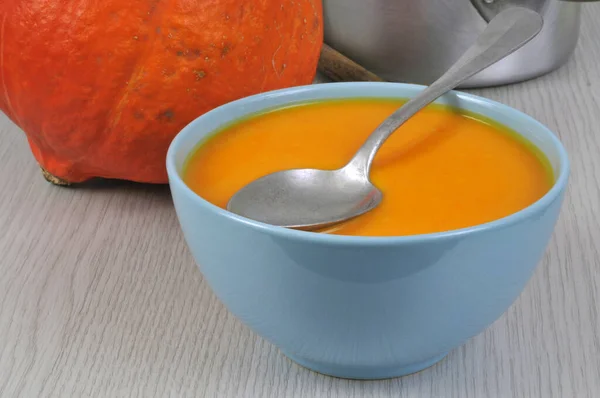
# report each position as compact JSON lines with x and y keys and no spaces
{"x":311,"y":199}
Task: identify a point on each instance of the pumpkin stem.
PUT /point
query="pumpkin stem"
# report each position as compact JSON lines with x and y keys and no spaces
{"x":53,"y":179}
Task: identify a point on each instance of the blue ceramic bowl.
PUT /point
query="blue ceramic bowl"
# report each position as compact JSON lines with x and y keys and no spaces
{"x":365,"y":307}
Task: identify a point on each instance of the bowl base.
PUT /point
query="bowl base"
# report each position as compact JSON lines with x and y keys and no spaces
{"x":364,"y":372}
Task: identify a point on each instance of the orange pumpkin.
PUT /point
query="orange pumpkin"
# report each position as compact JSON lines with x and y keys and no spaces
{"x":102,"y":87}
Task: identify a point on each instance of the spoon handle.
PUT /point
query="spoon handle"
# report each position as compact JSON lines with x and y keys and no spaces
{"x":505,"y":33}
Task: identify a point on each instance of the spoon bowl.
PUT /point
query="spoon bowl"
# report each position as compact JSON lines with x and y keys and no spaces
{"x":307,"y":199}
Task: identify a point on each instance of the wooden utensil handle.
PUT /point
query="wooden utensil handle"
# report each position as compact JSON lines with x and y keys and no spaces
{"x":340,"y":68}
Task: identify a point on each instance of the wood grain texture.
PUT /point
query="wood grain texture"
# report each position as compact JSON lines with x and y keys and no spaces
{"x":99,"y":296}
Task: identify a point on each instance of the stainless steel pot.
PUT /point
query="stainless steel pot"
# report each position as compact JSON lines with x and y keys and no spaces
{"x":416,"y":41}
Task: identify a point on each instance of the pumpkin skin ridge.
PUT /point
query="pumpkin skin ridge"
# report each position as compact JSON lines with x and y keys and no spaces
{"x":82,"y":121}
{"x":133,"y":76}
{"x":114,"y":114}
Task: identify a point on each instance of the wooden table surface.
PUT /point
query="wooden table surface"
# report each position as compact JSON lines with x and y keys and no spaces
{"x":100,"y":297}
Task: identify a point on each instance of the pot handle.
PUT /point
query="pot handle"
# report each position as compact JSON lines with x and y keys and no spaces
{"x":488,"y":9}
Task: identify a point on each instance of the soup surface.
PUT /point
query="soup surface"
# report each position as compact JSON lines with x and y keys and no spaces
{"x":442,"y":170}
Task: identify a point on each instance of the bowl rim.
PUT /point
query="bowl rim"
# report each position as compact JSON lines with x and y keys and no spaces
{"x":176,"y":182}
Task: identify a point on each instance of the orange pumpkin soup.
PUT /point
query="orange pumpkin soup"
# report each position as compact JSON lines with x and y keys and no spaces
{"x":442,"y":170}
